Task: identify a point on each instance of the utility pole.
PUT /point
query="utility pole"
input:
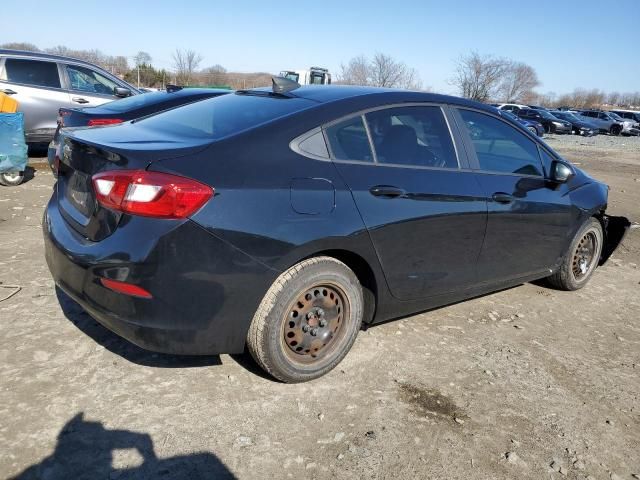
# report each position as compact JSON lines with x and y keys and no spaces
{"x":138,"y":75}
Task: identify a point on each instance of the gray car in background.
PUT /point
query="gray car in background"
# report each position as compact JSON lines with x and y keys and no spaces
{"x":43,"y":83}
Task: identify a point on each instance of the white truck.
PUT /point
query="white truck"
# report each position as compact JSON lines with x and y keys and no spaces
{"x":313,"y":76}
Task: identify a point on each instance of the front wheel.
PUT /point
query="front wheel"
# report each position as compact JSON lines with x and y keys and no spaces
{"x":307,"y":321}
{"x":11,"y":178}
{"x":615,"y":130}
{"x":582,"y":258}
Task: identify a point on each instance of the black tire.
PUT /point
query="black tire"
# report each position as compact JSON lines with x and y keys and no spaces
{"x":11,"y":179}
{"x":576,"y":270}
{"x":615,"y":130}
{"x":533,"y":130}
{"x":315,"y":290}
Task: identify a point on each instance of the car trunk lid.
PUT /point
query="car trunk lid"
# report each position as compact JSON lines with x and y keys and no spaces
{"x":87,"y":151}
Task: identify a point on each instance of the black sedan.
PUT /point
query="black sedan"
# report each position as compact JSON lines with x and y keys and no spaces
{"x":550,"y":123}
{"x":126,"y":109}
{"x":578,"y":126}
{"x":285,"y":219}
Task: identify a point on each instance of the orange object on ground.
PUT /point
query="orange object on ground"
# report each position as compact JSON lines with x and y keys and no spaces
{"x":7,"y":104}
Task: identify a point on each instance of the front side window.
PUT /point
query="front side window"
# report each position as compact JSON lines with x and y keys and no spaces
{"x":349,"y":141}
{"x":415,"y":136}
{"x":32,"y":72}
{"x":86,"y":80}
{"x":499,"y":146}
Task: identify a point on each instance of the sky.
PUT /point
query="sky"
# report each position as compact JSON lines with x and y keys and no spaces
{"x":585,"y":44}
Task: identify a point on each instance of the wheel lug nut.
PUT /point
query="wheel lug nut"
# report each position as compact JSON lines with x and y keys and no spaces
{"x":314,"y":332}
{"x":305,"y":328}
{"x":323,"y":323}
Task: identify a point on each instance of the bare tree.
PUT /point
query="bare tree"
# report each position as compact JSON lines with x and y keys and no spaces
{"x":356,"y":72}
{"x":142,"y":58}
{"x":28,"y":47}
{"x":214,"y":75}
{"x":381,"y":71}
{"x":517,"y":82}
{"x":185,"y":63}
{"x":478,"y":76}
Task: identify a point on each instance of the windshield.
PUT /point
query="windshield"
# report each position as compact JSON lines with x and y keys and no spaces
{"x":615,"y":116}
{"x":508,"y":114}
{"x":567,"y":116}
{"x":225,"y":115}
{"x":546,"y":115}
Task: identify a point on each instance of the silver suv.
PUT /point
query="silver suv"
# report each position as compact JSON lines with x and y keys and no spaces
{"x":42,"y":83}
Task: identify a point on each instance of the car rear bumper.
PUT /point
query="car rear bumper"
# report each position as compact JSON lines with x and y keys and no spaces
{"x":205,"y":291}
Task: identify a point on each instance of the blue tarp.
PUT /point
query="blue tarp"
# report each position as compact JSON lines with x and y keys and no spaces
{"x":13,"y":149}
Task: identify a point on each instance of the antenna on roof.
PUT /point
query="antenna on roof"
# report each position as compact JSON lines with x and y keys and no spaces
{"x":283,"y":85}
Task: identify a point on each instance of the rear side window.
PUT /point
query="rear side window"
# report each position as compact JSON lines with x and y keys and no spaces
{"x":501,"y":147}
{"x":349,"y":141}
{"x":414,"y":136}
{"x":225,"y":115}
{"x":32,"y":72}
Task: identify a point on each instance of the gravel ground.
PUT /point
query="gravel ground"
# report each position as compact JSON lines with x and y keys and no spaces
{"x":526,"y":383}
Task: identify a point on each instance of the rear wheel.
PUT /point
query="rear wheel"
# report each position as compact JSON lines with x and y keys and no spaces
{"x":307,"y":321}
{"x":581,"y":259}
{"x":11,"y":178}
{"x":615,"y":130}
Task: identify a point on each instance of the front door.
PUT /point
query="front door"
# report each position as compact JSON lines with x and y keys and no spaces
{"x":88,"y":87}
{"x":528,"y":216}
{"x":424,"y":210}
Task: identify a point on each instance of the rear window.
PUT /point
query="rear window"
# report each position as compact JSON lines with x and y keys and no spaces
{"x":32,"y":72}
{"x":225,"y":115}
{"x":135,"y":101}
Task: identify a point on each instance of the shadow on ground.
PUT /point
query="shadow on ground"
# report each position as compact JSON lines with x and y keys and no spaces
{"x":124,"y":348}
{"x":87,"y":450}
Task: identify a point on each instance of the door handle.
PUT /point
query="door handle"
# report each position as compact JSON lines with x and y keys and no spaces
{"x":502,"y":197}
{"x":80,"y":100}
{"x":388,"y":191}
{"x":8,"y":91}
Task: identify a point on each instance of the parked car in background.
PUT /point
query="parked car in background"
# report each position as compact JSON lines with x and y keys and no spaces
{"x":550,"y":123}
{"x":127,"y":109}
{"x":287,"y":218}
{"x":605,"y":122}
{"x":628,"y":114}
{"x":629,"y":126}
{"x":43,"y":83}
{"x":578,"y":125}
{"x":509,"y":106}
{"x":534,"y":127}
{"x":537,"y":107}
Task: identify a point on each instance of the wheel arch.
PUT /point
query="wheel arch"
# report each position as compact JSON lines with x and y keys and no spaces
{"x":365,"y":273}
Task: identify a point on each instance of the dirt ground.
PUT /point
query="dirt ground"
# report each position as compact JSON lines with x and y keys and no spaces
{"x":527,"y":383}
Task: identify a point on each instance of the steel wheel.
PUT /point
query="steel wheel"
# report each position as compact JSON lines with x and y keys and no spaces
{"x":584,"y":256}
{"x":307,"y":320}
{"x":314,"y":322}
{"x":11,"y":178}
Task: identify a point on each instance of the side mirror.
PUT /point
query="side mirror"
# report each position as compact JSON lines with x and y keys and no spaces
{"x":121,"y":92}
{"x":561,"y":172}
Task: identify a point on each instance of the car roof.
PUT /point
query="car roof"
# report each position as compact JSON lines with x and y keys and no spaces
{"x":43,"y":56}
{"x":331,"y":93}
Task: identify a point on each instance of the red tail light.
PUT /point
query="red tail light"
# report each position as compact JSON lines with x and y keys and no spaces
{"x":101,"y":122}
{"x":126,"y":288}
{"x":150,"y":194}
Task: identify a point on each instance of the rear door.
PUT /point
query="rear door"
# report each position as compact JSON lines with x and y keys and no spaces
{"x":528,"y":217}
{"x":422,"y":206}
{"x":37,"y":87}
